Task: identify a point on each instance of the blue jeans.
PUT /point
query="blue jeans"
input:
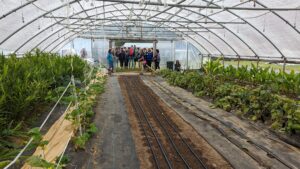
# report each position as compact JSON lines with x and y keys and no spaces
{"x":131,"y":63}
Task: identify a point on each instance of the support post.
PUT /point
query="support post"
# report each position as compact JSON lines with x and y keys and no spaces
{"x":201,"y":59}
{"x":110,"y":44}
{"x":73,"y":46}
{"x":173,"y":54}
{"x":187,"y":55}
{"x":141,"y":31}
{"x":113,"y":44}
{"x":154,"y":47}
{"x":239,"y":58}
{"x":223,"y":60}
{"x":284,"y":64}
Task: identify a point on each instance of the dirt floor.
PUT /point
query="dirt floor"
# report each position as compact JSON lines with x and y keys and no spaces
{"x":145,"y":123}
{"x":173,"y":142}
{"x":113,"y":146}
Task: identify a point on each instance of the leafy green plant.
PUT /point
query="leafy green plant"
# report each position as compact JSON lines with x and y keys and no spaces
{"x":80,"y":141}
{"x":81,"y":116}
{"x":251,"y":92}
{"x":36,"y":161}
{"x":64,"y":160}
{"x":26,"y":83}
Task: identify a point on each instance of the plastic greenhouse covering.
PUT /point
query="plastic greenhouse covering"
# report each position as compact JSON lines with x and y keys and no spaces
{"x":267,"y":29}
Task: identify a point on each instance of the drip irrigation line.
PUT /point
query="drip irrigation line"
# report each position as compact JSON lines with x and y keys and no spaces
{"x":234,"y":129}
{"x":144,"y":131}
{"x":136,"y":103}
{"x":157,"y":111}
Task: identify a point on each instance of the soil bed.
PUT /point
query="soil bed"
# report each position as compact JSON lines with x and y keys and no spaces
{"x":166,"y":136}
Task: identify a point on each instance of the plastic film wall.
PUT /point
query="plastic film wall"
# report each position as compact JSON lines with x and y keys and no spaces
{"x":257,"y":29}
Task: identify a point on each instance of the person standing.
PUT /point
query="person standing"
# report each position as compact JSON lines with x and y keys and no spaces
{"x":126,"y":57}
{"x":110,"y":61}
{"x":149,"y":58}
{"x":117,"y":53}
{"x":156,"y":59}
{"x":142,"y":59}
{"x":177,"y":66}
{"x":136,"y":55}
{"x":115,"y":58}
{"x":122,"y":58}
{"x":131,"y":57}
{"x":83,"y":53}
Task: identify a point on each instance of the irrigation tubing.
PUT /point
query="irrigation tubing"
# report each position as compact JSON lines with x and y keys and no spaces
{"x":232,"y":128}
{"x":31,"y":139}
{"x":151,"y":128}
{"x":149,"y":99}
{"x":144,"y":130}
{"x":162,"y":126}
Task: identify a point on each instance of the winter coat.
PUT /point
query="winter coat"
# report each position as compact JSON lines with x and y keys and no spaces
{"x":109,"y":58}
{"x":149,"y":56}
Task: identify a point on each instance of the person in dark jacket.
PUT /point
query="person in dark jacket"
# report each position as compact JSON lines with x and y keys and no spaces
{"x":149,"y":57}
{"x":177,"y":66}
{"x":126,"y":60}
{"x":156,"y":59}
{"x":122,"y":57}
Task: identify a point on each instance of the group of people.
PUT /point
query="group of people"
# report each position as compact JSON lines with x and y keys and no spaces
{"x":132,"y":56}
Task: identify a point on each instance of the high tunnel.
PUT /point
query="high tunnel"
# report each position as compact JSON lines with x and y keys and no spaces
{"x":243,"y":29}
{"x":158,"y":84}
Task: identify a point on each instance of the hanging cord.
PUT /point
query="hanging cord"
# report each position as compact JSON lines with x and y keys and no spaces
{"x":254,"y":3}
{"x":295,"y":22}
{"x":53,"y":17}
{"x":223,"y":2}
{"x":264,"y":24}
{"x":22,"y":14}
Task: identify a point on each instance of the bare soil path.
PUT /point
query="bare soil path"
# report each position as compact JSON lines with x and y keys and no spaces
{"x":112,"y":147}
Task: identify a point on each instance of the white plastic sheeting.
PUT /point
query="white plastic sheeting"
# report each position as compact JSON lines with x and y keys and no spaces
{"x":213,"y":26}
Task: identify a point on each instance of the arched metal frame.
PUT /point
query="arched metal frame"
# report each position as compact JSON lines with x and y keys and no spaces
{"x":184,"y":7}
{"x":181,"y":33}
{"x":159,"y":18}
{"x":92,"y":20}
{"x":195,"y":42}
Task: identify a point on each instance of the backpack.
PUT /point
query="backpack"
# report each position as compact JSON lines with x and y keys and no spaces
{"x":149,"y":56}
{"x":131,"y":52}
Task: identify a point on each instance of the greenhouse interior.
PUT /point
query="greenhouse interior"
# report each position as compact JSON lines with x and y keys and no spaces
{"x":144,"y":84}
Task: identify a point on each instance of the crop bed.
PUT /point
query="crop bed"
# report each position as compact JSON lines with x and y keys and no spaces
{"x":169,"y":145}
{"x":253,"y":140}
